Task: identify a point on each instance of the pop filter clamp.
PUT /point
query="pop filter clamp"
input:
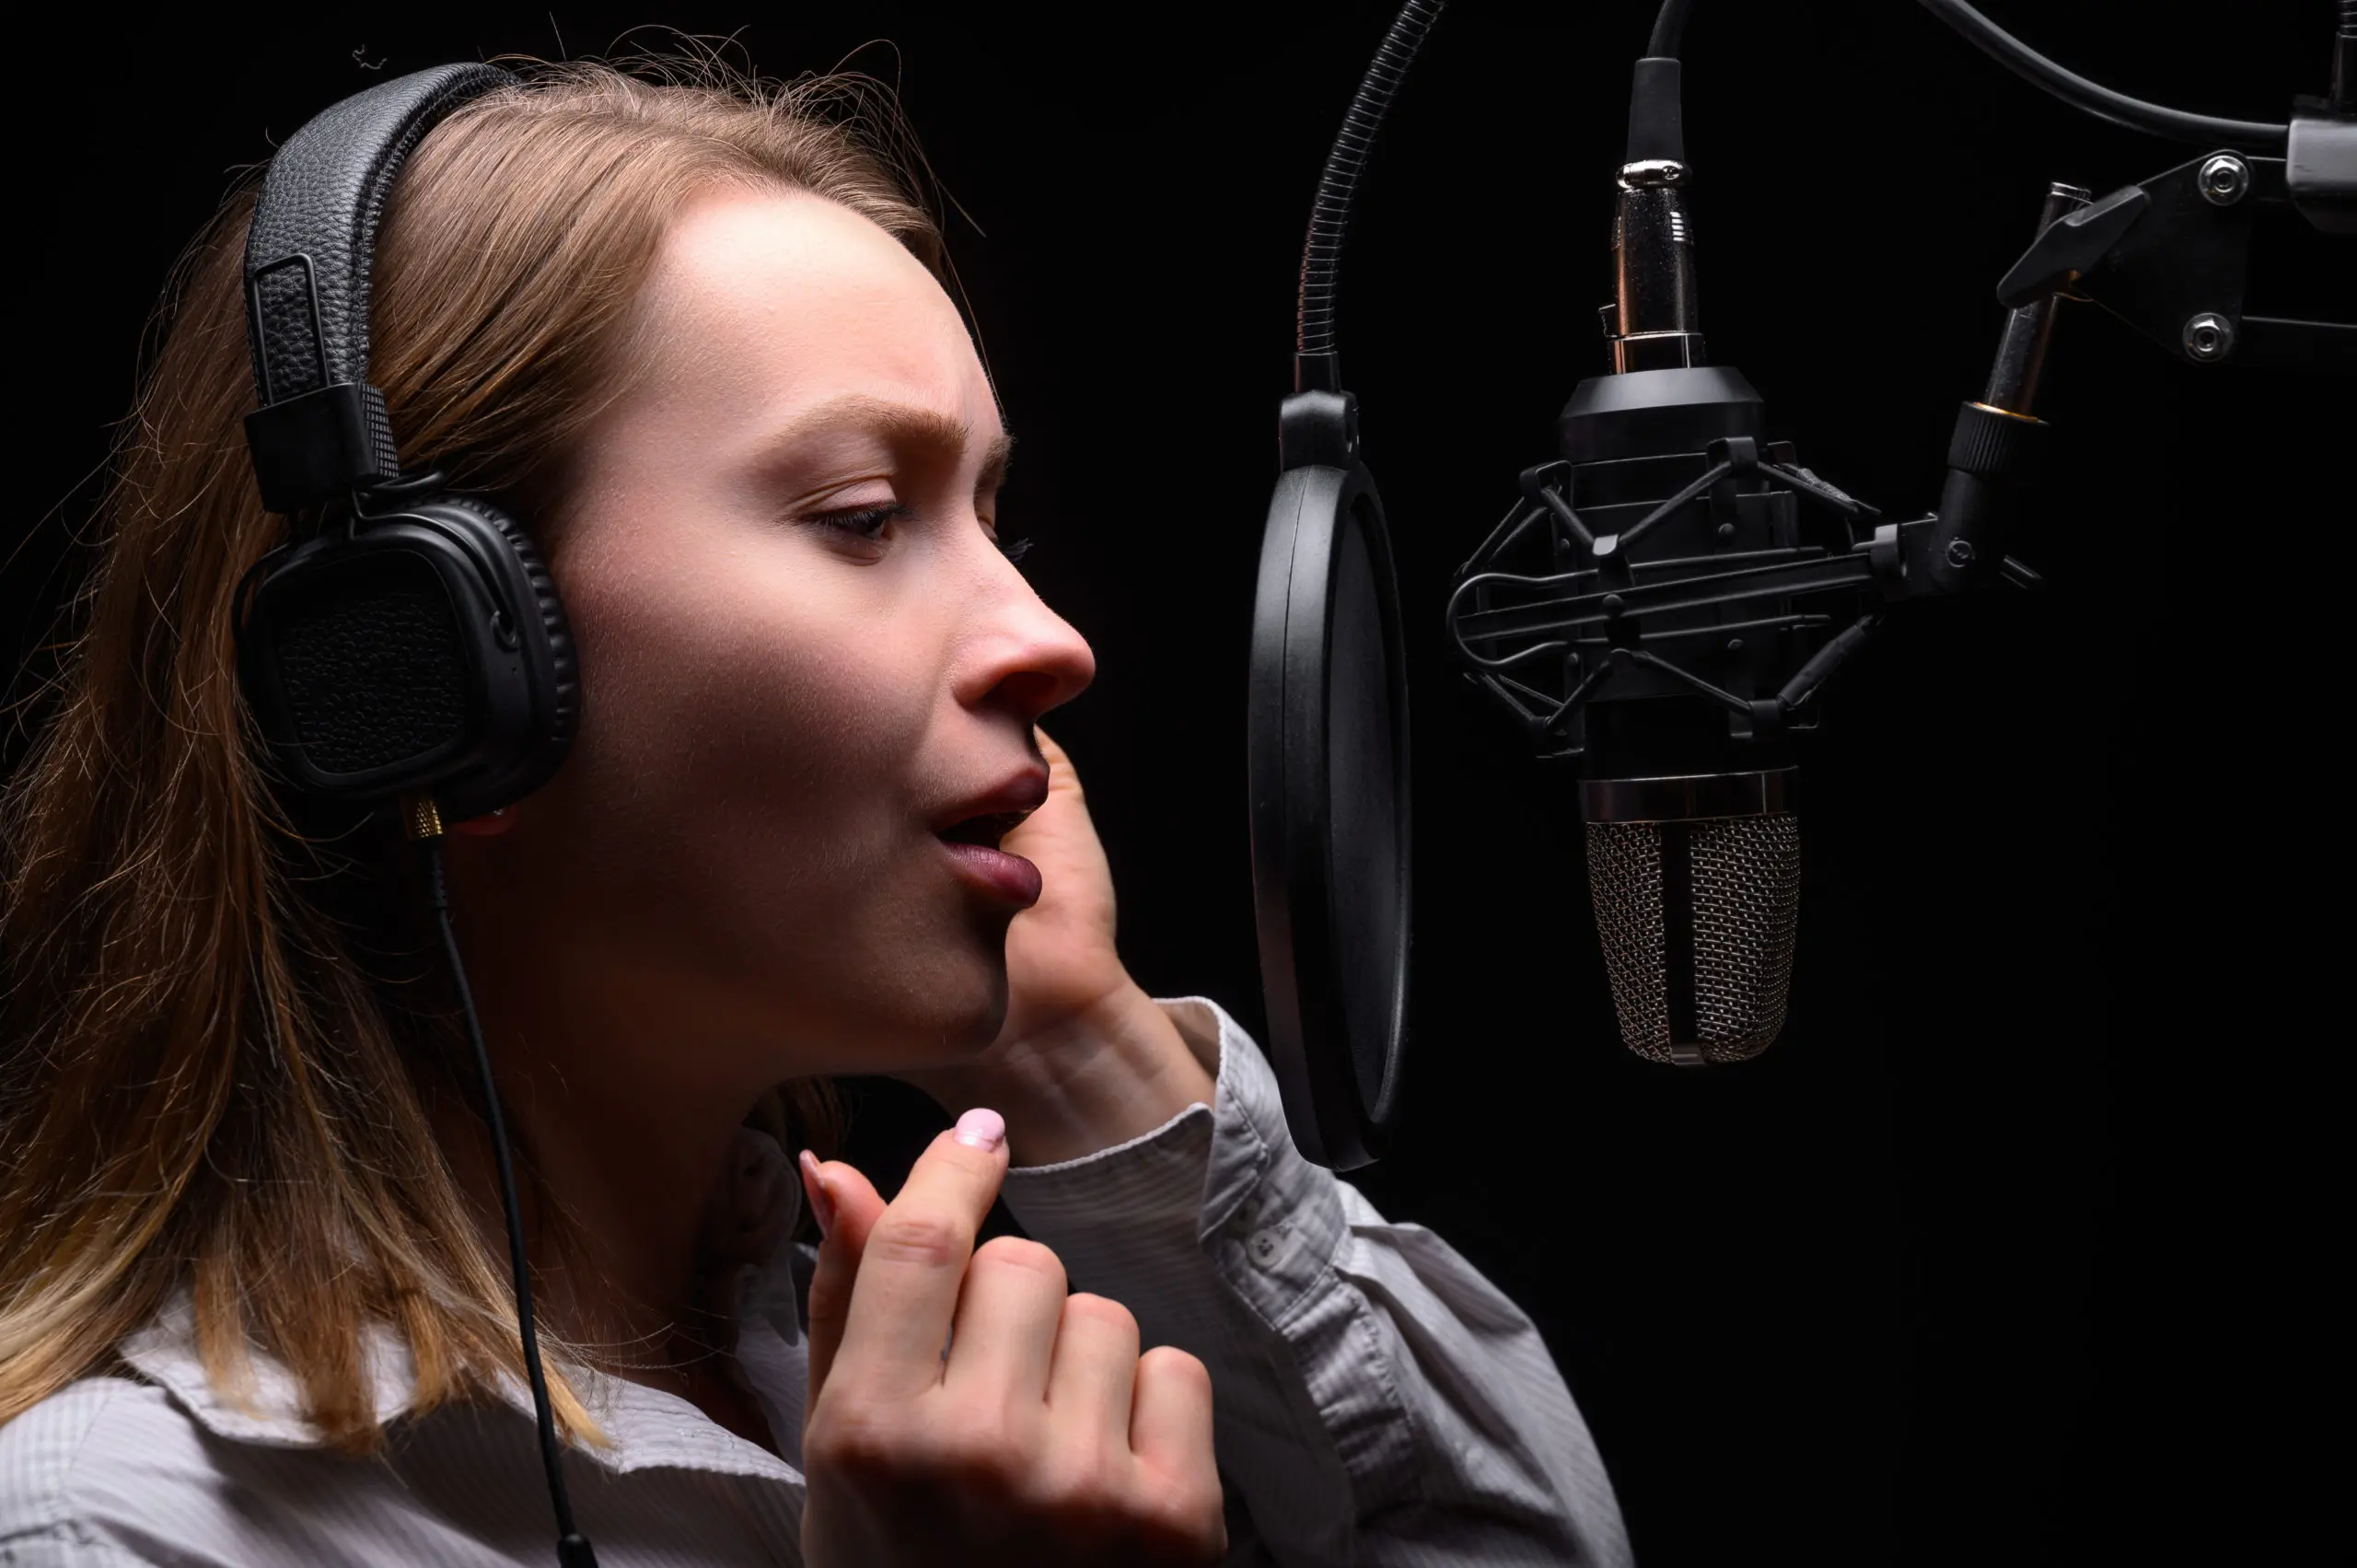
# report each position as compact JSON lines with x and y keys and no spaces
{"x":1757,"y":579}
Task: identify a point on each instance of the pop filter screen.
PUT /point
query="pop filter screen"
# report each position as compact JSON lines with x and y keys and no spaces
{"x":1328,"y":763}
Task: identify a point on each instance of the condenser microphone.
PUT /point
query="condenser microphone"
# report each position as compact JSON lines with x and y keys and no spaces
{"x":1688,"y":798}
{"x":1656,"y":609}
{"x":1688,"y":782}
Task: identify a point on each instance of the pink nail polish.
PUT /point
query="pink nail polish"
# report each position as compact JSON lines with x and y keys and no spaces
{"x":981,"y":1129}
{"x":822,"y":1204}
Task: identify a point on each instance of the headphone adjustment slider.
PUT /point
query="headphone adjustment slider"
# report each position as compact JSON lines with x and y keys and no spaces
{"x":318,"y":445}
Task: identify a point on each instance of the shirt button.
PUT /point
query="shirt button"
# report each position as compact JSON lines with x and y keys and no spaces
{"x":1265,"y":1244}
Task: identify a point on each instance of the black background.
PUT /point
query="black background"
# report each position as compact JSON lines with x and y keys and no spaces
{"x":2015,"y":1248}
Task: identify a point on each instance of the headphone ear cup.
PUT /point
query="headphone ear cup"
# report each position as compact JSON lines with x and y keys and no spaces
{"x":552,"y":670}
{"x":426,"y":652}
{"x":563,"y":671}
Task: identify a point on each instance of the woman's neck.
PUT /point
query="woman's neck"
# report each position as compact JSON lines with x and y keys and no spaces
{"x":620,"y":1180}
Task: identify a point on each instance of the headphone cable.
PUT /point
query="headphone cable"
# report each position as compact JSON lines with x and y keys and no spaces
{"x":424,"y":824}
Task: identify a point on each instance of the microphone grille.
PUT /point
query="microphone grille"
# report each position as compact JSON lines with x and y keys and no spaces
{"x":1743,"y":873}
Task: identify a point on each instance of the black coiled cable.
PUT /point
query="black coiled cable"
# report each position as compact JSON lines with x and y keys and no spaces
{"x":1330,"y":214}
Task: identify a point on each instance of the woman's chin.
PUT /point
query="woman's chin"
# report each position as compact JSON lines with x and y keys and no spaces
{"x":952,"y":1011}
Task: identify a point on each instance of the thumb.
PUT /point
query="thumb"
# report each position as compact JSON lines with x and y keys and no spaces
{"x":855,"y":1207}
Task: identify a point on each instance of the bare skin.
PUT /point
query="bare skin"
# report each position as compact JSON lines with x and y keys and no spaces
{"x":801,"y":651}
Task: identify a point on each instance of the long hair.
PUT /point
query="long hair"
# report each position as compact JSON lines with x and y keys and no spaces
{"x":214,"y":1060}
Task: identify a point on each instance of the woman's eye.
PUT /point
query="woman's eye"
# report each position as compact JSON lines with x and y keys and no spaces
{"x":864,"y":522}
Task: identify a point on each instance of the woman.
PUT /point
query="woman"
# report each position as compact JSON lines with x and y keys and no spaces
{"x":695,"y":335}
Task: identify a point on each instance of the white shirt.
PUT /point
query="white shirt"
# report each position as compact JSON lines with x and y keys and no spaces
{"x":1375,"y":1399}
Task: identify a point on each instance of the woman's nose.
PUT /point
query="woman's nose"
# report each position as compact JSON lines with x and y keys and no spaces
{"x":1034,"y":659}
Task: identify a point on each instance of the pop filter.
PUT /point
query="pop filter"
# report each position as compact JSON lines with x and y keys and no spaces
{"x":1328,"y":766}
{"x":1327,"y":715}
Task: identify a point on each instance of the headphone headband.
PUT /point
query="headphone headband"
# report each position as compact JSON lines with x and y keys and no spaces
{"x":321,"y":428}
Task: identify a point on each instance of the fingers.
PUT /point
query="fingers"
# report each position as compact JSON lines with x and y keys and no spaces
{"x":1171,"y":1419}
{"x":1096,"y":1368}
{"x":910,"y":1266}
{"x":856,"y":1207}
{"x":1063,"y":777}
{"x":1005,"y":1339}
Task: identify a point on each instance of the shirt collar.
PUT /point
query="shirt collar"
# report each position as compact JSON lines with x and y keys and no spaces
{"x":645,"y":1428}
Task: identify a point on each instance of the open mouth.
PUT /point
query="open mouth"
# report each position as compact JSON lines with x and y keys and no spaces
{"x":972,"y":848}
{"x":986,"y":830}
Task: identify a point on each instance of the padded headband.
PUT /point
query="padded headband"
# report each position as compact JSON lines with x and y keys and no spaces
{"x":321,"y":428}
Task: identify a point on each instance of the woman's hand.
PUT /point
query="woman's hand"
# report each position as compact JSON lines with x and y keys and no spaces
{"x":1033,"y":1433}
{"x":1085,"y":1059}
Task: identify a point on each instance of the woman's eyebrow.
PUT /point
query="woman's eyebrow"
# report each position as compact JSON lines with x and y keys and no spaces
{"x":902,"y":425}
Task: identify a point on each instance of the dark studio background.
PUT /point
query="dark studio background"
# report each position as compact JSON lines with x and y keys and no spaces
{"x":2013,"y":1249}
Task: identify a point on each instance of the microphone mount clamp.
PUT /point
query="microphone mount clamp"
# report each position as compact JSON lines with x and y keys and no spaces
{"x":1721,"y":613}
{"x":2170,"y":256}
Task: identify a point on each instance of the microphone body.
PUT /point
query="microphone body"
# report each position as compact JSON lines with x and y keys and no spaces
{"x":1671,"y":694}
{"x":1658,"y":606}
{"x":1690,"y":801}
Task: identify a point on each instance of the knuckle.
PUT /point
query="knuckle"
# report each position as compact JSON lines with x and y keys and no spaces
{"x":1020,"y":1252}
{"x":924,"y":1237}
{"x":1171,"y":1364}
{"x":980,"y":1456}
{"x":850,"y":1443}
{"x":1103,"y":1309}
{"x":1080,"y":1483}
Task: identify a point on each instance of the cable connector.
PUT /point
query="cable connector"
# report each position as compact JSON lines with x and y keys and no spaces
{"x":421,"y":818}
{"x":1656,"y":113}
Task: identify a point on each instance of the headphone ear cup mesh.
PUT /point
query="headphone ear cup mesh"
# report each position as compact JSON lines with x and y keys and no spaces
{"x":370,"y":675}
{"x":427,"y":651}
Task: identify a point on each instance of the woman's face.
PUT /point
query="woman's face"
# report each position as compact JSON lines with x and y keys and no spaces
{"x":801,"y":654}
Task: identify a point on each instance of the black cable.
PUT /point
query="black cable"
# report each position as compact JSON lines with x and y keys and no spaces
{"x":572,"y":1548}
{"x":1330,"y":214}
{"x":1667,"y":27}
{"x":2344,"y":61}
{"x":2101,"y":101}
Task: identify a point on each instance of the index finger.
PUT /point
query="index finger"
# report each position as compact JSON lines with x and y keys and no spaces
{"x":914,"y":1261}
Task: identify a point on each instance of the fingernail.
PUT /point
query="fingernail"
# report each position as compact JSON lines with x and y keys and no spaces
{"x":982,"y":1128}
{"x":814,"y":1184}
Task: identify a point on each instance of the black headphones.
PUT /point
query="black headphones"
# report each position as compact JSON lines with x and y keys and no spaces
{"x":408,"y":643}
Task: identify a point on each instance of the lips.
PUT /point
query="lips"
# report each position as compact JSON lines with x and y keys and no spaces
{"x":989,"y":816}
{"x":972,"y":829}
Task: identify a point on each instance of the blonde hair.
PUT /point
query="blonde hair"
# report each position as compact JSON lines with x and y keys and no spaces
{"x":219,"y":1032}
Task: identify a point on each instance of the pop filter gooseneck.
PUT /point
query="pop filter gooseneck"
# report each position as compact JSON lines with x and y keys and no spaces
{"x":1327,"y":750}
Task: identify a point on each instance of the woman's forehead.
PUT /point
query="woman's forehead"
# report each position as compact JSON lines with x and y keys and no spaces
{"x":775,"y":301}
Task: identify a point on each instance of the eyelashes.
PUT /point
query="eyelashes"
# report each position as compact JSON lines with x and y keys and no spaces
{"x":863,"y":522}
{"x":867,"y":522}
